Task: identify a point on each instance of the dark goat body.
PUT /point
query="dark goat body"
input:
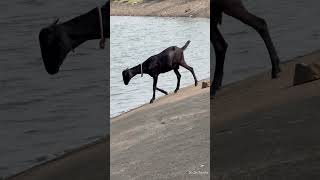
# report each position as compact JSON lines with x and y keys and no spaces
{"x":236,"y":9}
{"x":169,"y":59}
{"x":57,"y":40}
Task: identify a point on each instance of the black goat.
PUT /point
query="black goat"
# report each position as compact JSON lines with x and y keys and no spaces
{"x":58,"y":39}
{"x":169,"y":59}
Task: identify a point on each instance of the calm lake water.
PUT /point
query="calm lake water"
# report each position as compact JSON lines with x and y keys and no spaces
{"x":41,"y":116}
{"x":293,"y":28}
{"x":134,"y":39}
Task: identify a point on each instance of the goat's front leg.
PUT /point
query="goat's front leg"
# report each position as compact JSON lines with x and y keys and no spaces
{"x":163,"y":91}
{"x":220,"y":48}
{"x":178,"y":78}
{"x":155,"y":80}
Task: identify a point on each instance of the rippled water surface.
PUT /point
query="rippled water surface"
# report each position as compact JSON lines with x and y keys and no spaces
{"x":41,"y":116}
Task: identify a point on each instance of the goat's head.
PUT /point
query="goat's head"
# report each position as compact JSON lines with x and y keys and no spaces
{"x":127,"y":75}
{"x":55,"y":45}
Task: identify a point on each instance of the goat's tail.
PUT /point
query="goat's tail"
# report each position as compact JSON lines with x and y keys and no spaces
{"x":186,"y":45}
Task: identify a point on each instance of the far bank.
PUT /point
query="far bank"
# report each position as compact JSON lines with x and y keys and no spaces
{"x":166,"y":8}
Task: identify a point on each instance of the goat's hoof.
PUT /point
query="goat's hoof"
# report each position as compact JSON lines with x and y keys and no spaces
{"x":275,"y":73}
{"x":175,"y":91}
{"x":196,"y":83}
{"x":166,"y":93}
{"x":151,"y":101}
{"x":279,"y":70}
{"x":274,"y":76}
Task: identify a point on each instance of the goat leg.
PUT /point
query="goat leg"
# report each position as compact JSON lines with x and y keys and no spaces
{"x":163,"y":91}
{"x":178,"y":80}
{"x":260,"y":25}
{"x":183,"y":64}
{"x":155,"y":80}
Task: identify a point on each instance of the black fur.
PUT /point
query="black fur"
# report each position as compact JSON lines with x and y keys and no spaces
{"x":169,"y":59}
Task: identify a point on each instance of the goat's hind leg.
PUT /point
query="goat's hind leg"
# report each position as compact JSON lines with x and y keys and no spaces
{"x":163,"y":91}
{"x":241,"y":13}
{"x":178,"y":80}
{"x":155,"y":80}
{"x":184,"y":64}
{"x":220,"y":48}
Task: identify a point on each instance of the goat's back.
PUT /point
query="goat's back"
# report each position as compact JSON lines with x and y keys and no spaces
{"x":165,"y":61}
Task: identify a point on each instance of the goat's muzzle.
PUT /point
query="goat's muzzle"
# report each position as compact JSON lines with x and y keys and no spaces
{"x":126,"y":76}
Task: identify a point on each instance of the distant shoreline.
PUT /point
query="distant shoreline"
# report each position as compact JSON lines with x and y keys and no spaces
{"x":166,"y":8}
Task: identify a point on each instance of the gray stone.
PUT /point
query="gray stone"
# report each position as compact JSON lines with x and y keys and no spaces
{"x":305,"y":73}
{"x":205,"y":84}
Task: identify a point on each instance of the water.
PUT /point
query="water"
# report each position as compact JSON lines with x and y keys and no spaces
{"x":41,"y":116}
{"x":134,"y":39}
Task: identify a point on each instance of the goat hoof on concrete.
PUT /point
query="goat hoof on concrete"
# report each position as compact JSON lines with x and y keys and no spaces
{"x":151,"y":101}
{"x":196,"y":83}
{"x":275,"y":73}
{"x":175,"y":91}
